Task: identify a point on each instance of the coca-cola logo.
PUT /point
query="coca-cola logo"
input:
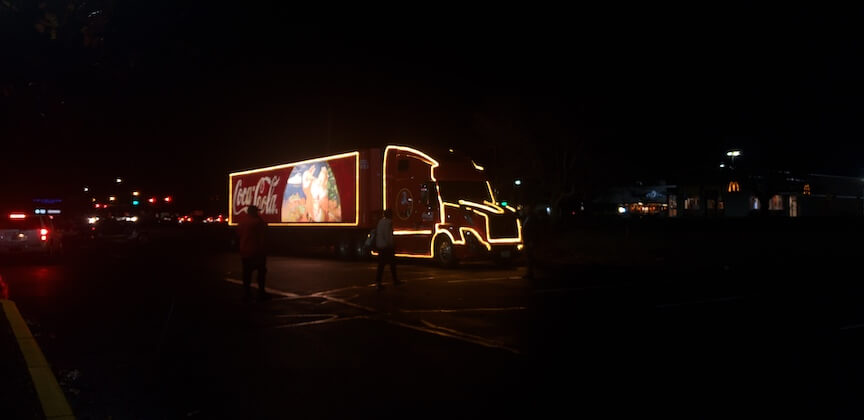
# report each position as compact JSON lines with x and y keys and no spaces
{"x":261,"y":195}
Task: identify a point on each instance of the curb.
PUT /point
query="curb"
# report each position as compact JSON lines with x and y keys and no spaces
{"x":54,"y":404}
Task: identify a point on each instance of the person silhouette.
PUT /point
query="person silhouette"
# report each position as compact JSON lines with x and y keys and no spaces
{"x":252,"y":231}
{"x":386,"y":248}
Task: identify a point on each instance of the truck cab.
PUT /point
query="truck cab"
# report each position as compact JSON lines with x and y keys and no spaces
{"x":445,"y":209}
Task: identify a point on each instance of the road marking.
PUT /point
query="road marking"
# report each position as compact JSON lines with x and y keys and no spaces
{"x":461,"y":337}
{"x":484,"y":279}
{"x":509,"y":308}
{"x":322,"y":321}
{"x":269,"y":290}
{"x":448,"y":332}
{"x":700,"y":302}
{"x":312,"y":296}
{"x":435,"y":330}
{"x":54,"y":403}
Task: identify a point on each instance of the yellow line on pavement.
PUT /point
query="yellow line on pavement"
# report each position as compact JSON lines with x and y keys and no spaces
{"x":54,"y":403}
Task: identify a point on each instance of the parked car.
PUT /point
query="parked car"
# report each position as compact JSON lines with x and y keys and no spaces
{"x":29,"y":233}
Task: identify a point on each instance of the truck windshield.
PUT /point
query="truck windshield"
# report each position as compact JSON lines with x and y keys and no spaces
{"x":453,"y":191}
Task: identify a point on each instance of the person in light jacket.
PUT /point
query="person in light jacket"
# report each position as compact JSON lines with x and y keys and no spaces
{"x":384,"y":245}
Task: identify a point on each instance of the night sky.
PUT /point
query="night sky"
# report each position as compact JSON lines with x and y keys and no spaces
{"x":173,"y":95}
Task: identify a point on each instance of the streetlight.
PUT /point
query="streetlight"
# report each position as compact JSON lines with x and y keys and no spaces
{"x":733,"y":154}
{"x":118,"y":180}
{"x":86,"y":189}
{"x":517,"y":182}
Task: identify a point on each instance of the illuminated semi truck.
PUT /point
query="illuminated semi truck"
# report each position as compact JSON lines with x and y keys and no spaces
{"x":444,"y":208}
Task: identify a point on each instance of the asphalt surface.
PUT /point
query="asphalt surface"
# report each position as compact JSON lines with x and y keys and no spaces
{"x":162,"y":332}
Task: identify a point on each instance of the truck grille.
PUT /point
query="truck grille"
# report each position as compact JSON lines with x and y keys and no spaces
{"x":503,"y":226}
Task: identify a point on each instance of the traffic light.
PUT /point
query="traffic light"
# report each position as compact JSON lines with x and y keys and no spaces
{"x":135,"y":202}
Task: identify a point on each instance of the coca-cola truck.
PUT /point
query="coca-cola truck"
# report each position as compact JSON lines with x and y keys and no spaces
{"x":444,"y":208}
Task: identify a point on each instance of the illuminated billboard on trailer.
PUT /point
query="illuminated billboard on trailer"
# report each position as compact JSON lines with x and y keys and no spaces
{"x":315,"y":192}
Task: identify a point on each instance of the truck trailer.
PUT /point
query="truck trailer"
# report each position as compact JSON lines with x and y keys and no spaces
{"x":444,"y":207}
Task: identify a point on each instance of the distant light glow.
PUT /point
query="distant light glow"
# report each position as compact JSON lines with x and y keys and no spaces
{"x":151,"y":200}
{"x":722,"y":165}
{"x":476,"y":166}
{"x":517,"y":182}
{"x":622,"y":210}
{"x":43,"y":231}
{"x":53,"y":211}
{"x":44,"y":237}
{"x":135,"y":202}
{"x":112,"y":198}
{"x":167,"y":199}
{"x":92,"y":220}
{"x":17,"y":216}
{"x":733,"y":153}
{"x":118,"y":180}
{"x":86,"y":189}
{"x":136,"y":193}
{"x":548,"y":210}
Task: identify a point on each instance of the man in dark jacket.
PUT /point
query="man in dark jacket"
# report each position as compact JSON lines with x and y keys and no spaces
{"x":386,"y":249}
{"x":252,"y":231}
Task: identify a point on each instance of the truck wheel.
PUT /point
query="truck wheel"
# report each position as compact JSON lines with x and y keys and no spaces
{"x":444,"y":252}
{"x":344,"y":249}
{"x":360,"y":251}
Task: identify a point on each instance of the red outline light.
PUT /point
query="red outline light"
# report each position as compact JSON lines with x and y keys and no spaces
{"x":17,"y":216}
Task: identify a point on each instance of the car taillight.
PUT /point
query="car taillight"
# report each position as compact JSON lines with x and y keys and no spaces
{"x":44,"y":233}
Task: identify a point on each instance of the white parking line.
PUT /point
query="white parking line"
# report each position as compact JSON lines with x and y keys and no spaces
{"x":509,"y":308}
{"x":269,"y":290}
{"x":322,"y":321}
{"x":485,"y":279}
{"x":435,"y":330}
{"x":468,"y":337}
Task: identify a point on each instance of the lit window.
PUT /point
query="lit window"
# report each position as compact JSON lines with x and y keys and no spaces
{"x":776,"y":203}
{"x":691,"y":203}
{"x":754,"y":203}
{"x":806,"y":189}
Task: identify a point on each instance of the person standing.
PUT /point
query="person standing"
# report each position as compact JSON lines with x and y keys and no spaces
{"x":386,"y":249}
{"x":252,"y":231}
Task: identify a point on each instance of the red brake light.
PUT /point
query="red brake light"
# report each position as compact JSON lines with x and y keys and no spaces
{"x":43,"y":232}
{"x":17,"y":216}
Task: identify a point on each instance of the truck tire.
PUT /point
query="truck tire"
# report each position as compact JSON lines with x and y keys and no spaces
{"x":444,"y":252}
{"x":344,"y":249}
